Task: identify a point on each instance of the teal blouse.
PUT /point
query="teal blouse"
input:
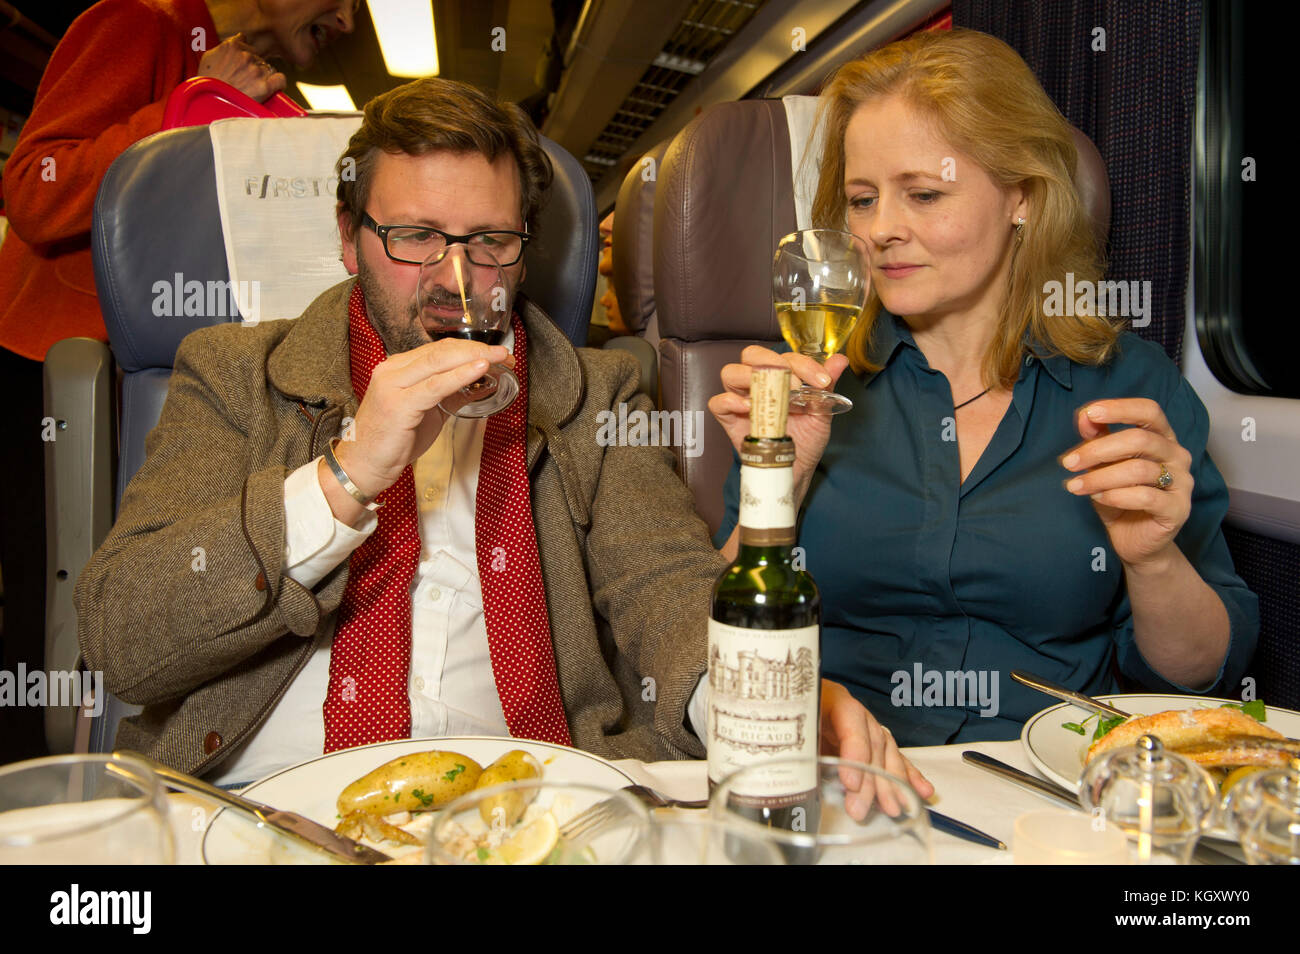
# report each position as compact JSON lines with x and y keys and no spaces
{"x":934,"y":590}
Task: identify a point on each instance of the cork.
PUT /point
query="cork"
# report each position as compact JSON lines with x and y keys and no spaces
{"x":769,"y":396}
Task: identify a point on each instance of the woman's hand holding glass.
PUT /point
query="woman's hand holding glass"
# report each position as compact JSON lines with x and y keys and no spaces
{"x":810,"y":432}
{"x":1139,"y":477}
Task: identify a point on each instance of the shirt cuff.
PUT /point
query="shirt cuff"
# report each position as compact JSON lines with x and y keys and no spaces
{"x":315,"y":541}
{"x":697,"y":711}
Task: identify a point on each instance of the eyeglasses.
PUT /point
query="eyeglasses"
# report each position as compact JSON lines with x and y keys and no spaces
{"x":413,"y":244}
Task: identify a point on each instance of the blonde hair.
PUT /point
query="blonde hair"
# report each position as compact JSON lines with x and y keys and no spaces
{"x":989,"y":105}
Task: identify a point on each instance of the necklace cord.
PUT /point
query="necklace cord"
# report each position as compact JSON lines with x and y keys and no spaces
{"x":958,"y":407}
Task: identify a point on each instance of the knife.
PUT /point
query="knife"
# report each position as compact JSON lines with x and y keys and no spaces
{"x":1012,"y":774}
{"x":1202,"y":853}
{"x":1069,"y":695}
{"x":292,"y":824}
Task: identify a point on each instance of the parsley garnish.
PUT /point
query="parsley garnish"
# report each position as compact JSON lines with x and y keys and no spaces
{"x":451,"y":775}
{"x":483,"y":854}
{"x":1078,"y":726}
{"x":1105,"y":725}
{"x":425,"y":800}
{"x":1254,"y":708}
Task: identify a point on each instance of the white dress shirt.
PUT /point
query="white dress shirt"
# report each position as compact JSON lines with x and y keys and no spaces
{"x":452,"y":688}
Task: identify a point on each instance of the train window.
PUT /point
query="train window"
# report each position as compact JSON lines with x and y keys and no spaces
{"x":1242,"y":301}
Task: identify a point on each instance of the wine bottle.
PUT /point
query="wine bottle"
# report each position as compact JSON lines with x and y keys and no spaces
{"x":764,"y":634}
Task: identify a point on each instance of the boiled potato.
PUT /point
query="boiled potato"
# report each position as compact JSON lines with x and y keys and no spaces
{"x":411,"y":783}
{"x":515,"y":766}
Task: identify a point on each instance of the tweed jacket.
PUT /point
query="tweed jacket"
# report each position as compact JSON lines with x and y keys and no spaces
{"x":186,"y":610}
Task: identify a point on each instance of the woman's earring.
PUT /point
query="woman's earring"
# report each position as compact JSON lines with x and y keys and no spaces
{"x":1020,"y":230}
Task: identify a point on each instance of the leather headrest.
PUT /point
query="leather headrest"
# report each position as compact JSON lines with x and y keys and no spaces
{"x":634,"y":284}
{"x":1093,"y":185}
{"x":725,"y":197}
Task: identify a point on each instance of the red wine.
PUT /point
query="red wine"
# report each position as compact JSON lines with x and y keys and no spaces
{"x":764,"y":639}
{"x":489,"y":337}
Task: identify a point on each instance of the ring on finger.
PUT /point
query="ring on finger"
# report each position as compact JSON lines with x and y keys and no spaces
{"x":1166,"y":479}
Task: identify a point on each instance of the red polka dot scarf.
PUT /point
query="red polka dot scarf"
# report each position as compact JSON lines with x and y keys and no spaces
{"x":370,"y":661}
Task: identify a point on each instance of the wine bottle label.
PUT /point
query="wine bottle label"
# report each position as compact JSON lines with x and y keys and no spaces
{"x":763,"y":707}
{"x":767,"y":512}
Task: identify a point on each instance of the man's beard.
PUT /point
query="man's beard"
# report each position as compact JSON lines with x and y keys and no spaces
{"x":396,"y":322}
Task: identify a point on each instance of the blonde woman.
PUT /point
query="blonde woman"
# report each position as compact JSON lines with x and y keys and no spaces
{"x":1014,"y":488}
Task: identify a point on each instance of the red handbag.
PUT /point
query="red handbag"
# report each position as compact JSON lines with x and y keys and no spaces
{"x":200,"y":100}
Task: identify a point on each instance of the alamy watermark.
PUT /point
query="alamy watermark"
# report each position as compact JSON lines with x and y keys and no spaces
{"x":1116,"y":299}
{"x":57,"y":687}
{"x":946,"y":688}
{"x":179,"y":298}
{"x":626,"y":428}
{"x":130,"y":908}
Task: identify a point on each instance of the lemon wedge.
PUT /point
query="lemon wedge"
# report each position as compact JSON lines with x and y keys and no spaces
{"x":1236,"y":775}
{"x":532,"y":844}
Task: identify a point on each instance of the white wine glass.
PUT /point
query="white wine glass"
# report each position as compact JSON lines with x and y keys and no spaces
{"x":820,"y":284}
{"x":463,"y":297}
{"x":1263,"y":811}
{"x":824,"y":823}
{"x":540,"y":821}
{"x":83,"y":810}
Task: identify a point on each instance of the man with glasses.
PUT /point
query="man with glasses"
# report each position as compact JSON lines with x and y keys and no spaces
{"x":375,"y":568}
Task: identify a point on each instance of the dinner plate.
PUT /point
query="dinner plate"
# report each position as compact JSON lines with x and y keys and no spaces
{"x":1059,"y":753}
{"x":312,"y":788}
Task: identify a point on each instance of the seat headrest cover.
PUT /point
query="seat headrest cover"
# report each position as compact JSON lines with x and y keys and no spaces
{"x":276,"y":191}
{"x":805,"y":154}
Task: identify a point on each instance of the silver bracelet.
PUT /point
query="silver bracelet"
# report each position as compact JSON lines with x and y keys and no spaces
{"x":353,"y":491}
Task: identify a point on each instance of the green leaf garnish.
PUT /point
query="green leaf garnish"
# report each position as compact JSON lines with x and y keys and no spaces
{"x":1078,"y":726}
{"x":1105,"y":725}
{"x":418,"y":793}
{"x":1254,"y":708}
{"x":483,"y":854}
{"x":451,"y":775}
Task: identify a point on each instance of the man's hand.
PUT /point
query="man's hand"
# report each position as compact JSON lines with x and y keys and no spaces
{"x":238,"y":64}
{"x":852,"y":733}
{"x":399,"y":418}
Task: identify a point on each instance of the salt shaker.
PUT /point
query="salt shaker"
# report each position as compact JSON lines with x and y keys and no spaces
{"x":1263,"y":813}
{"x":1161,"y":800}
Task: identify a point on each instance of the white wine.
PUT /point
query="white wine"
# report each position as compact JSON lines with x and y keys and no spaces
{"x":817,"y":328}
{"x":764,"y":637}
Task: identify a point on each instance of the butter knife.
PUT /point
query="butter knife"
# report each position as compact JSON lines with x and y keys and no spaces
{"x":294,"y":825}
{"x":1012,"y":774}
{"x":1069,"y":695}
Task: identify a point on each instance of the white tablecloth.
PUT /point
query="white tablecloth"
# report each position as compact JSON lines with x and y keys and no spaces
{"x":962,"y":791}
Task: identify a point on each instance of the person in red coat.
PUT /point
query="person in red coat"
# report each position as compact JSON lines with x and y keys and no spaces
{"x":105,"y":87}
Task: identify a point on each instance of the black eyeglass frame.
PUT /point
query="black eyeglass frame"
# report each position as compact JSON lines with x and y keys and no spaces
{"x":450,"y":239}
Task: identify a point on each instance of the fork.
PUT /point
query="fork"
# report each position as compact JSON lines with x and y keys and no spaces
{"x":604,"y":812}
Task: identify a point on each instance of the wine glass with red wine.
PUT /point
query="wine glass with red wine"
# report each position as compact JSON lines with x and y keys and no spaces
{"x":464,"y":296}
